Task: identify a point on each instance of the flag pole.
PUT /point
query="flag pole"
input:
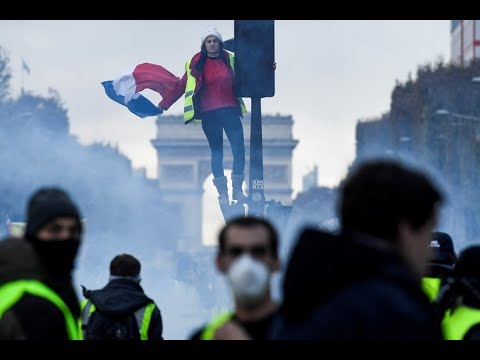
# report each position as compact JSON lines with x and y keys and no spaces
{"x":25,"y":69}
{"x":22,"y":76}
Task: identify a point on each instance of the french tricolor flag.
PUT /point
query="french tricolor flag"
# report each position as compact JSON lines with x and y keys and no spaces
{"x":126,"y":89}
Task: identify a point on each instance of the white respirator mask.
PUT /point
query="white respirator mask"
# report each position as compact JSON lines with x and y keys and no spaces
{"x":249,"y":280}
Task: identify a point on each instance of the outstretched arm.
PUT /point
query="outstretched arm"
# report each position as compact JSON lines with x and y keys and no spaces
{"x":170,"y":98}
{"x":159,"y":79}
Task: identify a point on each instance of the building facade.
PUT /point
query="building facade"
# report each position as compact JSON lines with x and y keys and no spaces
{"x":465,"y":41}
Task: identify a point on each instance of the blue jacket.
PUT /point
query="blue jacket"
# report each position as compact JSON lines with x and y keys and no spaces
{"x":340,"y":287}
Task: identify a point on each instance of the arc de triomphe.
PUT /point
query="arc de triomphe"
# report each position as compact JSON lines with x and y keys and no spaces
{"x":183,"y":165}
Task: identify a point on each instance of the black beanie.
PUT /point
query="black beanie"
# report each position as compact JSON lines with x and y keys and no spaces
{"x":46,"y":204}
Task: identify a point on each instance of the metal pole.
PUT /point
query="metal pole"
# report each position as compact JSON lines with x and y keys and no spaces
{"x":256,"y":197}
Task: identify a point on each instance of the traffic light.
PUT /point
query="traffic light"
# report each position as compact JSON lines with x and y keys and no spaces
{"x":254,"y":58}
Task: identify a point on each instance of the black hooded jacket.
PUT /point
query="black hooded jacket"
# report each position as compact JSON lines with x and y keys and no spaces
{"x":342,"y":288}
{"x":121,"y":297}
{"x":32,"y":317}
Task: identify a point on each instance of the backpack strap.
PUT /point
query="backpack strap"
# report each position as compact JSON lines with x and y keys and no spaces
{"x":143,"y":317}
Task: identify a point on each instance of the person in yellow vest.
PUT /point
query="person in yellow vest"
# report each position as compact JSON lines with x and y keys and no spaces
{"x":248,"y":256}
{"x":208,"y":85}
{"x":440,"y":265}
{"x":37,"y":298}
{"x":461,"y":298}
{"x":121,"y":310}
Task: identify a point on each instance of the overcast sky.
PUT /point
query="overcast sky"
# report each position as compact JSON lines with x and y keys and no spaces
{"x":329,"y":74}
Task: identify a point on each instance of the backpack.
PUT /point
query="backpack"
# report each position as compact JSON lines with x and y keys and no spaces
{"x":101,"y":326}
{"x":95,"y":325}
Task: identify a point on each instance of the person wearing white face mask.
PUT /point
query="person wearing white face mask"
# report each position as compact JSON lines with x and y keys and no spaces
{"x":247,"y":256}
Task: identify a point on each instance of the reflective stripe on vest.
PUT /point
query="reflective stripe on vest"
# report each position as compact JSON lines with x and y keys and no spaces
{"x":188,"y":108}
{"x":209,"y":332}
{"x":12,"y":292}
{"x":143,"y":316}
{"x":431,"y":287}
{"x":457,"y":323}
{"x":87,"y":309}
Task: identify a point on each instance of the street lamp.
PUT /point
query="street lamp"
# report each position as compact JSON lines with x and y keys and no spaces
{"x":442,"y":112}
{"x":457,"y":115}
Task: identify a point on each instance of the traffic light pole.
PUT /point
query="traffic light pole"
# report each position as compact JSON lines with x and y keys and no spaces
{"x":256,"y":197}
{"x":255,"y":78}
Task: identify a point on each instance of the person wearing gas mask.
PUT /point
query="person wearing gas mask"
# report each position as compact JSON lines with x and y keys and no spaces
{"x":37,"y":298}
{"x":248,"y":256}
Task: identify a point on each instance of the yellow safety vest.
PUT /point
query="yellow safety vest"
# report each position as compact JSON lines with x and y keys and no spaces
{"x":188,"y":109}
{"x":12,"y":292}
{"x":143,"y":316}
{"x":208,"y":332}
{"x":457,"y":323}
{"x":431,"y":287}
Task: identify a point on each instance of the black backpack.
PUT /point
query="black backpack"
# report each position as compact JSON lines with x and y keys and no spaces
{"x":105,"y":327}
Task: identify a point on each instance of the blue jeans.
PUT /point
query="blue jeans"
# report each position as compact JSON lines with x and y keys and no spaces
{"x":213,"y":124}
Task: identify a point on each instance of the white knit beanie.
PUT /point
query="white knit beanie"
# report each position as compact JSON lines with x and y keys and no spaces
{"x":212,"y":30}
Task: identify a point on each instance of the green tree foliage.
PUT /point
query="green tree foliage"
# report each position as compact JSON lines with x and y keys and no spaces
{"x":5,"y":75}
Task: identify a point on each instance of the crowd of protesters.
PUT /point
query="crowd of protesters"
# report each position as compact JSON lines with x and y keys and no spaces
{"x":386,"y":273}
